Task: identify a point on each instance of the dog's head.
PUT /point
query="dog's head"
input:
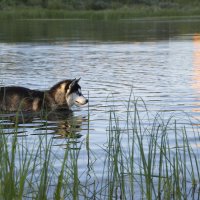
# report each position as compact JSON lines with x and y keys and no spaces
{"x":73,"y":94}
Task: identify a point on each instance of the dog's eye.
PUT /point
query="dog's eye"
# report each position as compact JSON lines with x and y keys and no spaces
{"x":79,"y":93}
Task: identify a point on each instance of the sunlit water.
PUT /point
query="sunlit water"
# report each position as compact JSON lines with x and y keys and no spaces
{"x":157,"y":61}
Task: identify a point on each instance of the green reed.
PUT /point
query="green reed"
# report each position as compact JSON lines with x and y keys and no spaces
{"x":145,"y":156}
{"x":152,"y":159}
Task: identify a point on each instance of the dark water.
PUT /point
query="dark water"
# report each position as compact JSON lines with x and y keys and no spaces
{"x":125,"y":31}
{"x":156,"y":60}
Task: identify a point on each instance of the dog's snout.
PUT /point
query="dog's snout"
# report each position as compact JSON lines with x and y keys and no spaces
{"x":81,"y":101}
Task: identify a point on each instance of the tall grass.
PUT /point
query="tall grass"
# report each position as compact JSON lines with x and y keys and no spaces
{"x":145,"y":157}
{"x":151,"y":158}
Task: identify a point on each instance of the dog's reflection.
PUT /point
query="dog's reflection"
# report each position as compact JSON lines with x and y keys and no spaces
{"x":61,"y":124}
{"x":67,"y":125}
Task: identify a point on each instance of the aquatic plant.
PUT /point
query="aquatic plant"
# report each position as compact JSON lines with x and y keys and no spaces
{"x":145,"y":156}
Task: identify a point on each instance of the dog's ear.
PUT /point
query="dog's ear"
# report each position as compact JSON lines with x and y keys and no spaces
{"x":78,"y":80}
{"x":72,"y":83}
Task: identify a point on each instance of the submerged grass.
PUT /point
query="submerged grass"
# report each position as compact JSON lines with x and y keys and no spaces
{"x":145,"y":157}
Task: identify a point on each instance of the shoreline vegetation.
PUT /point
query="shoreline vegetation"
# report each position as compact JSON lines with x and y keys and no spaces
{"x":98,"y":10}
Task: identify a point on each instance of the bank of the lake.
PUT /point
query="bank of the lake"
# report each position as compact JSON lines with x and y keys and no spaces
{"x":134,"y":12}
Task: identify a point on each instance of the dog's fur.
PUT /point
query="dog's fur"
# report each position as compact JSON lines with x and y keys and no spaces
{"x":63,"y":95}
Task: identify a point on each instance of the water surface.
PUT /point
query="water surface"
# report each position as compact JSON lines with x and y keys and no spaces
{"x":158,"y":61}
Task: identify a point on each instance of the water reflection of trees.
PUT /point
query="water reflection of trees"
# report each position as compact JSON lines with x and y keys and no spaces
{"x":66,"y":30}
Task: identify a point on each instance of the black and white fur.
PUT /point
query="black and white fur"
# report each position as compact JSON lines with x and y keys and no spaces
{"x":62,"y":95}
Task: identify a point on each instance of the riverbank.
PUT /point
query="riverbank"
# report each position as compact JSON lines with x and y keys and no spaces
{"x":134,"y":12}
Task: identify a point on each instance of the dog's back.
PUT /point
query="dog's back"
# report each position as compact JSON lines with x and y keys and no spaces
{"x":14,"y":98}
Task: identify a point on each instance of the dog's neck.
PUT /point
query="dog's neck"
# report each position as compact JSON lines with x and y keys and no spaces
{"x":59,"y":94}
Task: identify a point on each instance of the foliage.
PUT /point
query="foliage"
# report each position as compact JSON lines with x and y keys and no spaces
{"x":87,"y":4}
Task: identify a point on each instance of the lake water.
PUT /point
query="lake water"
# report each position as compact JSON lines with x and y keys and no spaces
{"x":158,"y":61}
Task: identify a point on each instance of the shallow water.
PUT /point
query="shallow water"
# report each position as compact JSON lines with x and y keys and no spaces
{"x":158,"y":61}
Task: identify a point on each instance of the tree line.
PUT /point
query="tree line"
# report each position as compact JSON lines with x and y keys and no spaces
{"x":85,"y":4}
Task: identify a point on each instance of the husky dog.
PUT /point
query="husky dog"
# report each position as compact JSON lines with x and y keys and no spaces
{"x":63,"y":95}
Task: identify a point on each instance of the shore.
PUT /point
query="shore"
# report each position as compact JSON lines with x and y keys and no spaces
{"x":134,"y":12}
